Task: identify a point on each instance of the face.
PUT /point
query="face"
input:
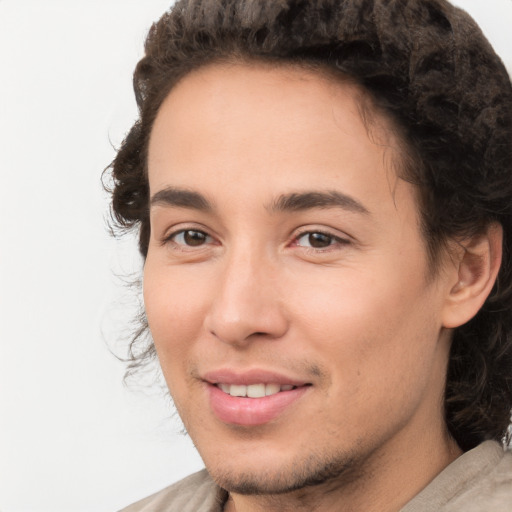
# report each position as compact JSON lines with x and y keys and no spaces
{"x":286,"y":283}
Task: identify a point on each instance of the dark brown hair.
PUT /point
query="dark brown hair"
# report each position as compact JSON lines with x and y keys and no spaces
{"x":426,"y":65}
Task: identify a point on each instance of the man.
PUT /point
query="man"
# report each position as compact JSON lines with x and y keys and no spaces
{"x":324,"y":196}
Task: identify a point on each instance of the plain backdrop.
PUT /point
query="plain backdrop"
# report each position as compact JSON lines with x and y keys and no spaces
{"x":72,"y":437}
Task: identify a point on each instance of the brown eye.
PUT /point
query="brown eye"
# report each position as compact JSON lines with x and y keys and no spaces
{"x":191,"y":238}
{"x":319,"y":240}
{"x":316,"y":240}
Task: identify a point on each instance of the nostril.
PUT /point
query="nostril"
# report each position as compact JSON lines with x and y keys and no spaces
{"x":243,"y":321}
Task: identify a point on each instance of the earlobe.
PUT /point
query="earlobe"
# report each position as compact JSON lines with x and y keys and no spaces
{"x":477,"y":267}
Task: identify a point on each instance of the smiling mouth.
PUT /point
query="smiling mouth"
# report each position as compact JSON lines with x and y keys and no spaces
{"x":259,"y":390}
{"x":253,"y":402}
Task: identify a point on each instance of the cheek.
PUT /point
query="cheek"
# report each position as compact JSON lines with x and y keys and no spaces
{"x":378,"y":346}
{"x":174,"y":307}
{"x":367,"y":327}
{"x":174,"y":321}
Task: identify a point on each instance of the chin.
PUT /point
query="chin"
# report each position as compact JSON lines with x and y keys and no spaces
{"x":308,"y":472}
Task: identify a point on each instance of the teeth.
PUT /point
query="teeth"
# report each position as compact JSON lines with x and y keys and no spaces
{"x":235,"y":390}
{"x":256,"y":390}
{"x":253,"y":390}
{"x":225,"y":388}
{"x":272,"y":389}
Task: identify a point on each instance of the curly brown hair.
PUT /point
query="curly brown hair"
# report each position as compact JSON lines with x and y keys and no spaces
{"x":428,"y":67}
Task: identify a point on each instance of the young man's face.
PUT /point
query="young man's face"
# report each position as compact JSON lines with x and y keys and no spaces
{"x":286,"y":259}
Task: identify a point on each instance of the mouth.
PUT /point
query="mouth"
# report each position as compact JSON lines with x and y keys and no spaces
{"x":253,"y":398}
{"x":258,"y":390}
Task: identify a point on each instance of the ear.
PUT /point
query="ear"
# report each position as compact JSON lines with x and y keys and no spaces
{"x":477,"y":263}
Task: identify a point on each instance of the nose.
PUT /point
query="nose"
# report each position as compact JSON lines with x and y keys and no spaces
{"x":247,"y":304}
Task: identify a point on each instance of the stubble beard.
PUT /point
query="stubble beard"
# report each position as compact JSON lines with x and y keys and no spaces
{"x":314,"y":471}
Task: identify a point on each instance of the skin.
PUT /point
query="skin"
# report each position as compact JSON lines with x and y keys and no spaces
{"x":360,"y":318}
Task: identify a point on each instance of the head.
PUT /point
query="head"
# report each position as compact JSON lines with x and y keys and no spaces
{"x":435,"y":103}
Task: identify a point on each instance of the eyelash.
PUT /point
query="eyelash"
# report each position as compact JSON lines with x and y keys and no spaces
{"x":171,"y":238}
{"x":334,"y":241}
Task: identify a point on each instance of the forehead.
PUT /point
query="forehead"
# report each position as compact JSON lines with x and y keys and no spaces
{"x":274,"y":113}
{"x":236,"y":87}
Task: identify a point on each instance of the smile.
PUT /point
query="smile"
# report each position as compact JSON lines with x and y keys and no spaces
{"x":254,"y":390}
{"x":255,"y":404}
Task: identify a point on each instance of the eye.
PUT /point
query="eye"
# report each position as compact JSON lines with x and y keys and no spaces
{"x":190,"y":238}
{"x":317,"y":240}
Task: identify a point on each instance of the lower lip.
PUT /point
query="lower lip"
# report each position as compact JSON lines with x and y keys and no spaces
{"x":250,"y":412}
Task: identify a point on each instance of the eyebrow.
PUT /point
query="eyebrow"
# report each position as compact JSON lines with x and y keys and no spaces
{"x":299,"y":201}
{"x":181,"y":198}
{"x":293,"y":202}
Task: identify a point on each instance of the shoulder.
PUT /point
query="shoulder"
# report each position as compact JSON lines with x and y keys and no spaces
{"x":478,"y":481}
{"x":490,"y":490}
{"x":195,"y":493}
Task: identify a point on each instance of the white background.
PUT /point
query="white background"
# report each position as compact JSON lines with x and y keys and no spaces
{"x":72,"y":437}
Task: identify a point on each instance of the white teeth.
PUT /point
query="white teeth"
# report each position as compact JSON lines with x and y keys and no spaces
{"x":256,"y":390}
{"x":225,"y":388}
{"x":235,"y":390}
{"x":272,"y":389}
{"x":253,"y":390}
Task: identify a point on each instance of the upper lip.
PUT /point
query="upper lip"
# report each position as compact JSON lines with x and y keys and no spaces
{"x":252,"y":376}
